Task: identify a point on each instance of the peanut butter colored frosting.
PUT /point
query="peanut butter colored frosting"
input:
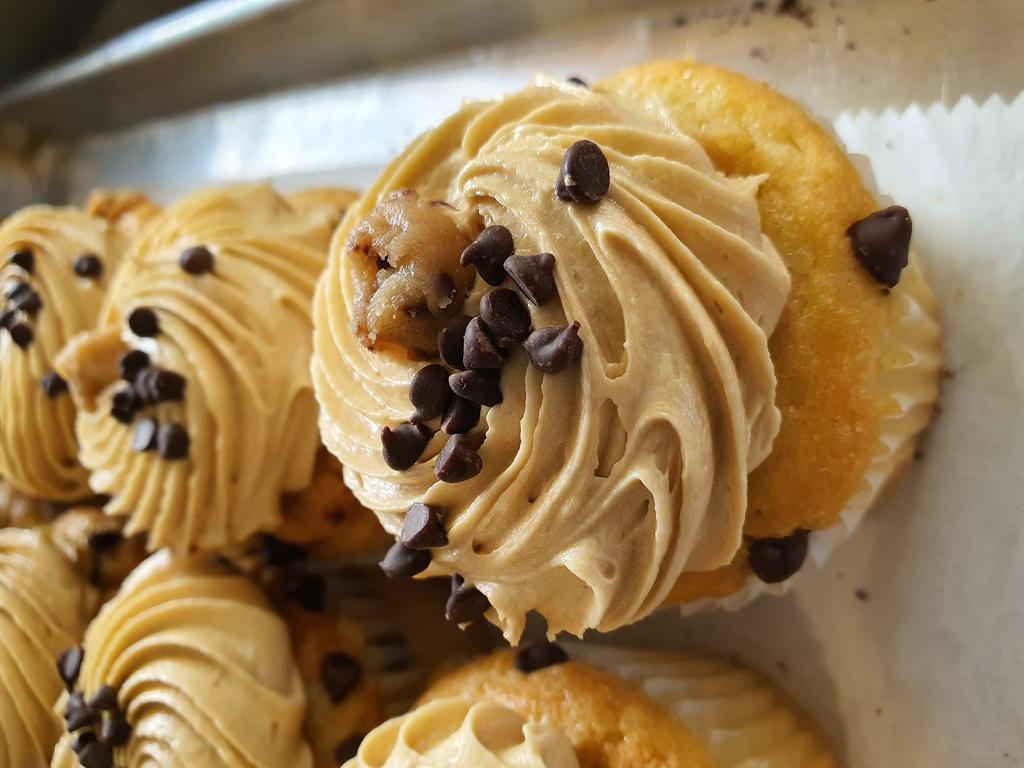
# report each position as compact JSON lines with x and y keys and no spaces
{"x":455,"y":732}
{"x":44,"y":607}
{"x":603,"y":483}
{"x":227,"y":275}
{"x":50,"y":294}
{"x":203,"y":671}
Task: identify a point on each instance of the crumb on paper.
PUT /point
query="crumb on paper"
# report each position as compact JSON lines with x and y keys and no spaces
{"x":679,"y":20}
{"x":795,"y":9}
{"x":782,"y":666}
{"x":862,"y":595}
{"x":758,"y":53}
{"x":918,"y":454}
{"x":878,"y":711}
{"x":851,"y":45}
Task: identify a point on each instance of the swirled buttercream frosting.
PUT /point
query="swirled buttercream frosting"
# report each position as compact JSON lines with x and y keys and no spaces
{"x":200,"y":668}
{"x":456,"y":732}
{"x":57,"y":265}
{"x":603,"y":483}
{"x":44,"y":607}
{"x":196,"y":410}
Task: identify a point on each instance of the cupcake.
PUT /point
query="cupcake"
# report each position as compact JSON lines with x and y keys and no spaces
{"x":584,"y":355}
{"x":661,"y":710}
{"x":196,"y":412}
{"x":187,"y":665}
{"x":57,"y":266}
{"x":44,"y":608}
{"x":95,"y":543}
{"x":360,"y":659}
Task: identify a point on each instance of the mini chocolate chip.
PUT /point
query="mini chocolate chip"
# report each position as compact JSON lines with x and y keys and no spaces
{"x":172,"y":441}
{"x":24,"y":259}
{"x":53,"y":385}
{"x":196,"y":260}
{"x":96,"y":754}
{"x":88,"y":265}
{"x":28,"y":302}
{"x":348,"y":748}
{"x":577,"y":81}
{"x":401,"y":562}
{"x":461,"y":416}
{"x":22,"y":334}
{"x":78,"y":714}
{"x":15,"y":290}
{"x":488,"y":253}
{"x":167,"y":386}
{"x":81,"y":740}
{"x":144,"y":437}
{"x":539,"y":655}
{"x":465,"y":604}
{"x":881,"y":242}
{"x":429,"y":392}
{"x":310,"y":592}
{"x":450,"y":341}
{"x":505,"y":316}
{"x":481,"y":387}
{"x":143,"y":322}
{"x":273,"y":551}
{"x":478,"y":351}
{"x":115,"y":730}
{"x":457,"y":461}
{"x":104,"y":541}
{"x":533,"y":275}
{"x":584,"y":176}
{"x":123,"y":406}
{"x":423,"y":528}
{"x":340,"y":674}
{"x":105,"y":699}
{"x":554,"y":349}
{"x":69,"y":664}
{"x":775,"y":560}
{"x":131,"y":363}
{"x":403,"y":445}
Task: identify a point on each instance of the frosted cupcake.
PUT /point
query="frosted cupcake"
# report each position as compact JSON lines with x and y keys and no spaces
{"x":187,"y":665}
{"x":44,"y":608}
{"x":196,"y":412}
{"x":538,"y":708}
{"x":57,"y":266}
{"x":584,"y":355}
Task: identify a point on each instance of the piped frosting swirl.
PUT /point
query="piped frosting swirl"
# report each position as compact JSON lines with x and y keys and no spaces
{"x":602,"y":484}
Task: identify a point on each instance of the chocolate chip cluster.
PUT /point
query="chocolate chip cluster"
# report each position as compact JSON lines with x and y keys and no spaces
{"x":150,"y":385}
{"x":98,"y":724}
{"x":476,"y":348}
{"x":22,"y":303}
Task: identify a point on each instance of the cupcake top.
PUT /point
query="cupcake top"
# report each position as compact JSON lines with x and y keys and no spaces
{"x":195,"y":406}
{"x":44,"y":607}
{"x":455,"y":732}
{"x":615,"y":443}
{"x":188,"y":665}
{"x":57,"y":265}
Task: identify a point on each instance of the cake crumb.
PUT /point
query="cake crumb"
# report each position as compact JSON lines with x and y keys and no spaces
{"x":758,"y":53}
{"x":782,"y":667}
{"x":851,"y":45}
{"x":878,"y":711}
{"x":679,"y":20}
{"x":862,"y":595}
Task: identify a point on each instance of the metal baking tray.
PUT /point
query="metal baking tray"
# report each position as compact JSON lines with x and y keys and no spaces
{"x":327,"y":90}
